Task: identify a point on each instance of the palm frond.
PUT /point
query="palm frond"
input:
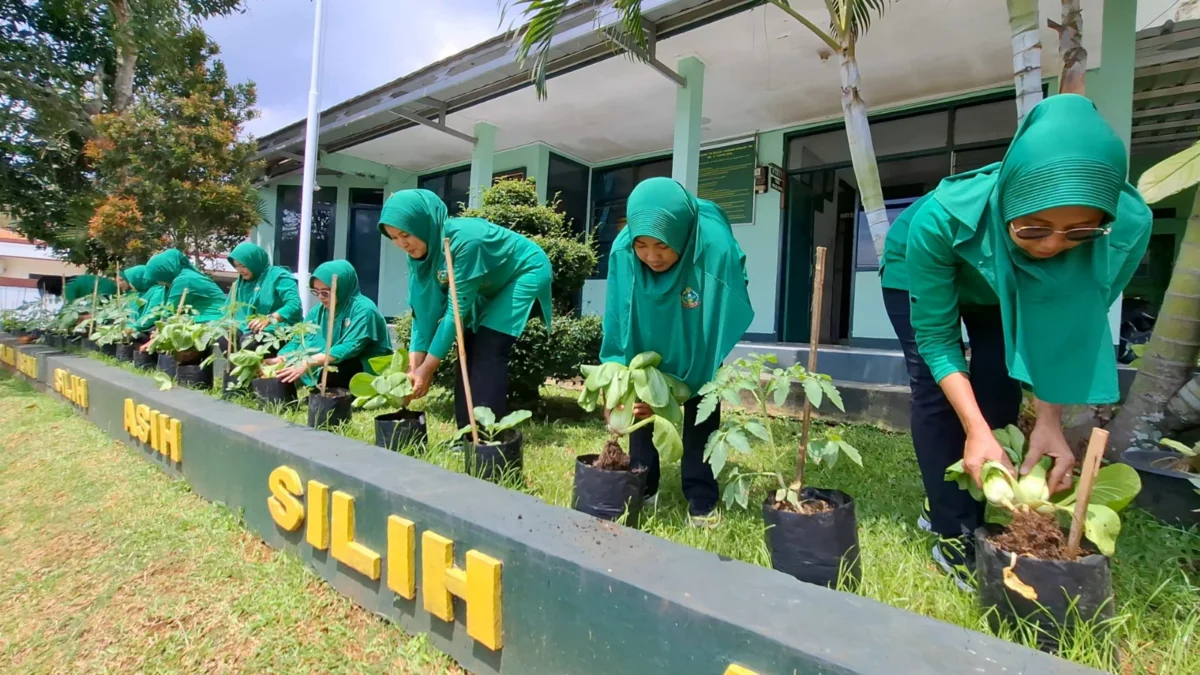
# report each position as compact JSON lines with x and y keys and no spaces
{"x":854,"y":17}
{"x":535,"y":38}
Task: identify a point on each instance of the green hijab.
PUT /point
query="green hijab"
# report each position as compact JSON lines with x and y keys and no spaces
{"x":692,"y":314}
{"x":421,"y":213}
{"x":1055,"y":311}
{"x":257,"y":295}
{"x":84,"y":285}
{"x":136,"y":278}
{"x":203,"y":294}
{"x":359,"y":330}
{"x":165,"y":266}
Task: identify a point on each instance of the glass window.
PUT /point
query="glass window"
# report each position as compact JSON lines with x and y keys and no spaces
{"x":458,"y":191}
{"x":969,"y":160}
{"x":287,"y":226}
{"x":611,"y":188}
{"x":818,"y":149}
{"x":607,"y":222}
{"x":911,"y":134}
{"x":987,"y":122}
{"x":904,"y":182}
{"x":567,"y":182}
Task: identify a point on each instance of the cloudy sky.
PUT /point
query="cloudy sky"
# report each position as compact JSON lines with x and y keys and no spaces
{"x":367,"y":43}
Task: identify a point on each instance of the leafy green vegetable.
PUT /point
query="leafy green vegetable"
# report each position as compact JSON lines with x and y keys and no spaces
{"x":620,"y":388}
{"x":490,"y":430}
{"x":391,"y":387}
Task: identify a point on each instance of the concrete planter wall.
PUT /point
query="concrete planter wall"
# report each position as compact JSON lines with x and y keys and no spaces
{"x":550,"y":590}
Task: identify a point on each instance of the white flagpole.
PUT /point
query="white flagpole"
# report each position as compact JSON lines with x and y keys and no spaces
{"x":310,"y":157}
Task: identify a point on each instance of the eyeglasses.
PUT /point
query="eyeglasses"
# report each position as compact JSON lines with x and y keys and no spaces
{"x":1033,"y":232}
{"x":320,"y":294}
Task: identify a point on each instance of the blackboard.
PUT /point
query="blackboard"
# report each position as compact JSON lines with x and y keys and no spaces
{"x":287,"y":227}
{"x":727,"y":178}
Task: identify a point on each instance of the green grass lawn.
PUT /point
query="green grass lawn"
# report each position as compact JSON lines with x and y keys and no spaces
{"x":1156,"y":575}
{"x":107,"y":565}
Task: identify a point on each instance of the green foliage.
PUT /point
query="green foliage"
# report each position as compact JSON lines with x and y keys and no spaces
{"x":535,"y":356}
{"x":1172,"y":175}
{"x":180,"y":333}
{"x":29,"y":316}
{"x":391,"y":387}
{"x":1115,"y":487}
{"x":490,"y":430}
{"x":765,"y":382}
{"x":621,"y":387}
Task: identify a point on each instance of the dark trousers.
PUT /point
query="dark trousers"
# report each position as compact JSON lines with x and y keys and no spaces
{"x":699,"y":484}
{"x":487,"y":360}
{"x":937,"y":433}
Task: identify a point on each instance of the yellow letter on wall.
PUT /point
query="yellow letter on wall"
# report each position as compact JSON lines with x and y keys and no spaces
{"x":345,"y":549}
{"x":286,"y":510}
{"x":402,"y":557}
{"x":478,"y":586}
{"x":131,"y":423}
{"x":170,"y":437}
{"x":143,"y":422}
{"x":318,"y":515}
{"x":739,"y":670}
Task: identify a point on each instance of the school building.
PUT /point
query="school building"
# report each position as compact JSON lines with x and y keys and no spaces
{"x":742,"y":104}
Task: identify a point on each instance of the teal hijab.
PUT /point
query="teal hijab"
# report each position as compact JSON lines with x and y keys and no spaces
{"x":150,"y":295}
{"x":357,"y":322}
{"x":84,"y":285}
{"x":258,"y":294}
{"x":693,"y":313}
{"x":1055,"y":311}
{"x":421,"y":214}
{"x":203,"y":294}
{"x":136,"y":278}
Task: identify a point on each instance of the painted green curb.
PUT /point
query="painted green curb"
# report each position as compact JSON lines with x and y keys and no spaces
{"x":578,"y":595}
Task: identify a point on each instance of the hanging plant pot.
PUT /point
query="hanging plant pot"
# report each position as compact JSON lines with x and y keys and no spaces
{"x":271,"y":391}
{"x":494,"y":461}
{"x":401,"y":428}
{"x":608,"y":494}
{"x":143,"y":360}
{"x":329,"y":410}
{"x":124,"y":353}
{"x":1050,"y":594}
{"x":198,"y":377}
{"x":168,"y":365}
{"x":1168,"y":492}
{"x":819,"y":547}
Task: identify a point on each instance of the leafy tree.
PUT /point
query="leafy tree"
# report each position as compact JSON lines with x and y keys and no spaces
{"x":171,"y":168}
{"x":61,"y":63}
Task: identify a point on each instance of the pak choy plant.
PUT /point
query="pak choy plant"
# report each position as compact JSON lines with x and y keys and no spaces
{"x":619,"y":388}
{"x":1115,"y":487}
{"x":390,"y":387}
{"x":766,"y":383}
{"x":247,"y":363}
{"x":113,"y":318}
{"x":180,"y":333}
{"x":70,"y":315}
{"x":492,"y":430}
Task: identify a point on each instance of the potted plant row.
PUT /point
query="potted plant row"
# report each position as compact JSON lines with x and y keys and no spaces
{"x":607,"y":486}
{"x":1027,"y":569}
{"x":812,"y":533}
{"x":184,"y":347}
{"x":246,"y":370}
{"x":390,"y":388}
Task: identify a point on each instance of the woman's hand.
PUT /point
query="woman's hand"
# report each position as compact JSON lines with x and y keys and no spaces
{"x":422,"y":377}
{"x":1047,"y":440}
{"x":145,"y":346}
{"x":415,"y":359}
{"x":293,"y":373}
{"x":259,"y":324}
{"x":982,"y":447}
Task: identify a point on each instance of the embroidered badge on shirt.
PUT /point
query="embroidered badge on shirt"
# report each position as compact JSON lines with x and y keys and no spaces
{"x":346,"y":323}
{"x":690,"y":298}
{"x":442,"y":277}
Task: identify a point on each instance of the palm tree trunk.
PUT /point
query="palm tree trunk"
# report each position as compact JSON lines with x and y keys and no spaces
{"x":862,"y":149}
{"x":127,"y":56}
{"x":1070,"y":46}
{"x":1170,"y":359}
{"x":1183,"y":411}
{"x":1027,"y":54}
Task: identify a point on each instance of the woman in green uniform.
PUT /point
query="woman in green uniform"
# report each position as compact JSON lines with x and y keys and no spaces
{"x":359,"y":330}
{"x":1029,"y":254}
{"x":172,"y":269}
{"x":84,"y":285}
{"x":676,"y":286}
{"x":498,"y":274}
{"x":265,"y":291}
{"x":151,"y":296}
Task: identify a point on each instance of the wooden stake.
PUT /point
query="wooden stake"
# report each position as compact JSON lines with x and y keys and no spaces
{"x":1083,"y":493}
{"x":813,"y":340}
{"x":118,"y":285}
{"x":329,"y":335}
{"x":95,"y":301}
{"x":182,"y":301}
{"x":229,"y":314}
{"x":462,"y":350}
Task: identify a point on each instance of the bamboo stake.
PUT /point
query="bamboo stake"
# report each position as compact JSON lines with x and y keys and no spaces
{"x":813,"y":340}
{"x":118,"y":285}
{"x":462,"y":350}
{"x":1083,"y":494}
{"x":182,"y":300}
{"x":95,"y":301}
{"x":329,"y":338}
{"x":230,"y":313}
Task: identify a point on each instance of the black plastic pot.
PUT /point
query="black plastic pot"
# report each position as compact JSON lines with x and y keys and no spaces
{"x":90,"y":344}
{"x":125,"y":353}
{"x":403,"y":427}
{"x":494,"y":462}
{"x":1067,"y":592}
{"x":144,"y":360}
{"x":53,"y":340}
{"x":200,"y":377}
{"x":1167,"y":494}
{"x":270,"y":391}
{"x":329,"y":410}
{"x":817,"y":548}
{"x":109,"y":350}
{"x":167,"y":364}
{"x":608,"y":494}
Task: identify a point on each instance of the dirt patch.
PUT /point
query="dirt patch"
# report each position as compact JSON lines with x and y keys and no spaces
{"x":613,"y":458}
{"x":807,"y":507}
{"x":1033,"y":534}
